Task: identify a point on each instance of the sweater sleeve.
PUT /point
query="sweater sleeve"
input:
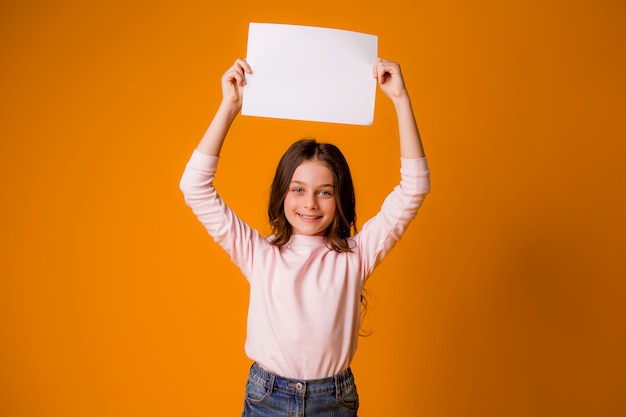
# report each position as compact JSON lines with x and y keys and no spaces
{"x":380,"y":234}
{"x":229,"y":231}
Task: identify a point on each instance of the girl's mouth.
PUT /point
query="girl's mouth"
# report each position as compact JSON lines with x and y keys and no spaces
{"x":307,"y":218}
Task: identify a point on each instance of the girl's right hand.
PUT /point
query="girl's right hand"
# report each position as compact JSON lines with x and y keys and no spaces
{"x":233,"y":82}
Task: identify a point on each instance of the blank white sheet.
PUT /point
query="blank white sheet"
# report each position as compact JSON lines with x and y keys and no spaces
{"x":310,"y":73}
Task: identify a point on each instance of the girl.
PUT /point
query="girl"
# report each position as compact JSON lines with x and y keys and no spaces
{"x":306,"y":278}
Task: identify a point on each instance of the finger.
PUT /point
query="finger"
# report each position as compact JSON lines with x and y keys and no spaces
{"x":232,"y":74}
{"x":382,"y":71}
{"x":235,"y":76}
{"x":241,"y":67}
{"x":388,"y":69}
{"x":375,"y":67}
{"x":376,"y":70}
{"x":243,"y":64}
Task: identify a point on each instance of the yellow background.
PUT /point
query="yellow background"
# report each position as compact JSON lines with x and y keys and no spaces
{"x":506,"y":298}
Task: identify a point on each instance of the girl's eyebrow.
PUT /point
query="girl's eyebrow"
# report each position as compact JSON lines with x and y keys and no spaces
{"x":304,"y":183}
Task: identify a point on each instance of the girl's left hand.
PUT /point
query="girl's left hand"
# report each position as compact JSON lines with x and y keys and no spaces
{"x":389,"y":78}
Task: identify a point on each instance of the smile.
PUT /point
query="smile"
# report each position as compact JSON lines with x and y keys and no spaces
{"x":308,"y":218}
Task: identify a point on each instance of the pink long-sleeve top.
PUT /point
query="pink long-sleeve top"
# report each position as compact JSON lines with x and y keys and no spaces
{"x":304,"y":312}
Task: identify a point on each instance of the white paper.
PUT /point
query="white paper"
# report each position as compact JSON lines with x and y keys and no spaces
{"x":310,"y":73}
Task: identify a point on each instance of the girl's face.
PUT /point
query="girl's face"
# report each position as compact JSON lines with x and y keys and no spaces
{"x":310,"y":202}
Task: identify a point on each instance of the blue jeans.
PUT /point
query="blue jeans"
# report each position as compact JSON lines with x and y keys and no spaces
{"x":269,"y":395}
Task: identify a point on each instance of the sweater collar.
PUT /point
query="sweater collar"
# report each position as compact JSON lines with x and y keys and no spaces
{"x":308,"y":241}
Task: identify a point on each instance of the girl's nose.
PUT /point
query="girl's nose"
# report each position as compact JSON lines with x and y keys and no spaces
{"x":311,"y":202}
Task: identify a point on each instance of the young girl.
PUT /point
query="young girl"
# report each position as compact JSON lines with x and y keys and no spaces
{"x":306,"y":278}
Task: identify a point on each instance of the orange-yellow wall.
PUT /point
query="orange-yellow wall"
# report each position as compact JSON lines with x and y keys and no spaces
{"x":506,"y":298}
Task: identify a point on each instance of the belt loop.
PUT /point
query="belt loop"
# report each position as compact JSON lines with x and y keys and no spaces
{"x":337,"y":387}
{"x":270,"y":383}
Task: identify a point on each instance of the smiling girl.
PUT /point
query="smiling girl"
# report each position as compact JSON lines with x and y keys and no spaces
{"x":307,"y":277}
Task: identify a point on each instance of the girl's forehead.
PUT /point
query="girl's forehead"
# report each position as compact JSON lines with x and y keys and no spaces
{"x":313,"y":170}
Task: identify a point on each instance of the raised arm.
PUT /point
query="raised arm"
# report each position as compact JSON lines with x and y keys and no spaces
{"x":391,"y":82}
{"x":233,"y":81}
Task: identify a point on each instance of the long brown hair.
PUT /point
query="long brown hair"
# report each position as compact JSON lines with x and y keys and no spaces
{"x":344,"y":224}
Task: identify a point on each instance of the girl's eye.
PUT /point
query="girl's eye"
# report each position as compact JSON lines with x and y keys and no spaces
{"x":325,"y":193}
{"x":297,"y":190}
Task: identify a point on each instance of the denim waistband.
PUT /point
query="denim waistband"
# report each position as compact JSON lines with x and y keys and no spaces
{"x":307,"y":388}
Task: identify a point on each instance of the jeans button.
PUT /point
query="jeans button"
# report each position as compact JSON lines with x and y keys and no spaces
{"x":299,"y":386}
